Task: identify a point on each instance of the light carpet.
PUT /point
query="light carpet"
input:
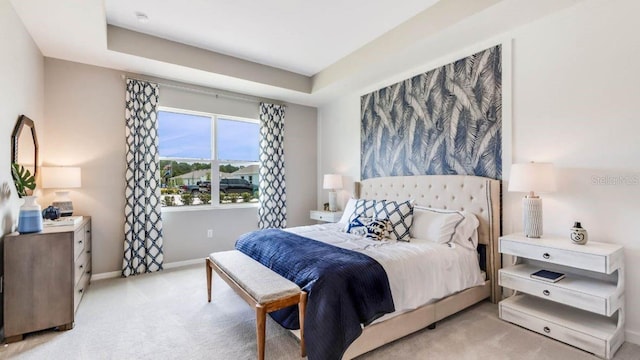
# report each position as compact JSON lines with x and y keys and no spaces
{"x":166,"y":316}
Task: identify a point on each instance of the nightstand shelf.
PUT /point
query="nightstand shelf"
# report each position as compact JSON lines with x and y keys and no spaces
{"x":585,"y":309}
{"x":326,"y":216}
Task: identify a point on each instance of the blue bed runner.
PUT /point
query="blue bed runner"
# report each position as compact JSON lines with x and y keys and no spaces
{"x":345,"y":288}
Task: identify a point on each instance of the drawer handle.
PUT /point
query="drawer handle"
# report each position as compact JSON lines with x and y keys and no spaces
{"x":546,"y":329}
{"x":79,"y":241}
{"x":81,"y":266}
{"x":80,"y":291}
{"x":546,"y":255}
{"x":546,"y":292}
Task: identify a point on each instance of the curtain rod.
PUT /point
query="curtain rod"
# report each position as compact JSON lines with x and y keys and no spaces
{"x":199,"y":91}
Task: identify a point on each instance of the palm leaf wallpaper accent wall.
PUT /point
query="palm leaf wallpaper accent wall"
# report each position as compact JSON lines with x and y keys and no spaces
{"x":446,"y":121}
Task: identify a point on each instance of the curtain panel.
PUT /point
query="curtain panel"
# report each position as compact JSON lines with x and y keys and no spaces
{"x":143,"y":251}
{"x":273,"y":210}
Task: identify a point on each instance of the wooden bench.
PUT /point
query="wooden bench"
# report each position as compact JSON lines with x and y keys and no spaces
{"x":260,"y":287}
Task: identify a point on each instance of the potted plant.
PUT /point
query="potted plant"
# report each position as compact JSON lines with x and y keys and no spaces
{"x":25,"y":182}
{"x":30,"y":218}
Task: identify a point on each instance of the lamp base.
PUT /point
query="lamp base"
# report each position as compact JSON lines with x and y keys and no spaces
{"x":63,"y":202}
{"x":333,"y":201}
{"x":532,"y":216}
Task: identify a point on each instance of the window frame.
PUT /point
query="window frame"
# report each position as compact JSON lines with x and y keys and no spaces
{"x":214,"y":162}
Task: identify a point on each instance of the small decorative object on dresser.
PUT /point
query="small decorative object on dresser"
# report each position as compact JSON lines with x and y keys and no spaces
{"x":579,"y":234}
{"x":585,"y":309}
{"x":51,"y":213}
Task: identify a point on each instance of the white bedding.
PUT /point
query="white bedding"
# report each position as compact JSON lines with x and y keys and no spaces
{"x":419,"y":272}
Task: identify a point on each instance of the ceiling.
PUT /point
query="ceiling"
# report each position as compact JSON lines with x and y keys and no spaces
{"x":289,"y":50}
{"x":300,"y":36}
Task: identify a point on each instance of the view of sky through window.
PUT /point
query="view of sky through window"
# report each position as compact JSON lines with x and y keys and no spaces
{"x":238,"y":140}
{"x":184,"y":136}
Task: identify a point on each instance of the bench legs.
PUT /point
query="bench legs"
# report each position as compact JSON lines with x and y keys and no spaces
{"x":208,"y":269}
{"x":261,"y":319}
{"x":261,"y":311}
{"x":302,"y":307}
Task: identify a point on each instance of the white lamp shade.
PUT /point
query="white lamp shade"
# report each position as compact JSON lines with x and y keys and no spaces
{"x":332,"y":181}
{"x":532,"y":177}
{"x":61,"y":177}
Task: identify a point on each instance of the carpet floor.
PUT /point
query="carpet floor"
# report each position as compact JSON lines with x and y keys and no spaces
{"x":166,"y":316}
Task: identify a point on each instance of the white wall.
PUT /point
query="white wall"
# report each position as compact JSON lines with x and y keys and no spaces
{"x":575,"y":94}
{"x":21,"y":92}
{"x":85,"y":112}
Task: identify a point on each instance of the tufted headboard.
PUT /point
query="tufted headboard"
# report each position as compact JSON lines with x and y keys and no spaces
{"x":478,"y":195}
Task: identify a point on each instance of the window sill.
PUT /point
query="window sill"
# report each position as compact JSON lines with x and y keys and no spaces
{"x":170,"y":209}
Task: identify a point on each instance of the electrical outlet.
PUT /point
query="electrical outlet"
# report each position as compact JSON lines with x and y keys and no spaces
{"x":210,"y":233}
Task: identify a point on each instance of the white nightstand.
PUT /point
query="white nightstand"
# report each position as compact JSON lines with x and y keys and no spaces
{"x":328,"y":216}
{"x":585,"y":309}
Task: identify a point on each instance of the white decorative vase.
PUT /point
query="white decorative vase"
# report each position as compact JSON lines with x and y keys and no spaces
{"x":578,"y":234}
{"x":30,"y":218}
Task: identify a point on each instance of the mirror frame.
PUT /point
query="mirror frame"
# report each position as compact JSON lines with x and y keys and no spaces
{"x":24,"y":122}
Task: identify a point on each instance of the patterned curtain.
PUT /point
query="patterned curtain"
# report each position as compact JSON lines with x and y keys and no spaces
{"x":273,"y":209}
{"x":143,"y":223}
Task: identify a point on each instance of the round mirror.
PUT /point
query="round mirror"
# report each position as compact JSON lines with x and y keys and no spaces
{"x":24,"y":144}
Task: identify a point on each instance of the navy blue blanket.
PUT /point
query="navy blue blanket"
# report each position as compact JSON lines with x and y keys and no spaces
{"x":345,"y":288}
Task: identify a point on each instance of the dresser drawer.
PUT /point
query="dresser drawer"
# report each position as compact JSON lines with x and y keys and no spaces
{"x":79,"y":290}
{"x":553,"y":330}
{"x":81,"y":265}
{"x":594,"y":333}
{"x":78,"y":242}
{"x":520,"y":281}
{"x":575,"y":259}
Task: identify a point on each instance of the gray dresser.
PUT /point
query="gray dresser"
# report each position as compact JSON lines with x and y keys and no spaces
{"x":45,"y":276}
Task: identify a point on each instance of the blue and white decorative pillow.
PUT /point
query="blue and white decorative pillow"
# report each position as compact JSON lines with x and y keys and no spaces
{"x":375,"y":229}
{"x":364,"y":208}
{"x":400,"y":216}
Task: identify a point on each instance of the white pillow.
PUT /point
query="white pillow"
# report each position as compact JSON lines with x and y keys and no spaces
{"x":348,"y":210}
{"x":445,"y":226}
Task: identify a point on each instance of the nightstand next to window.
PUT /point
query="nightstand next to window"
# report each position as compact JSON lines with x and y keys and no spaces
{"x":327,"y":216}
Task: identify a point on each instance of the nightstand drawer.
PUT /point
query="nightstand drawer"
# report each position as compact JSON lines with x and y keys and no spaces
{"x":553,"y":291}
{"x":328,"y":216}
{"x":575,"y":259}
{"x":552,"y":329}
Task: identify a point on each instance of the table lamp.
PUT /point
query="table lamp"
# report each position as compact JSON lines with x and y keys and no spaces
{"x":531,"y":178}
{"x":332,"y":182}
{"x":63,"y":178}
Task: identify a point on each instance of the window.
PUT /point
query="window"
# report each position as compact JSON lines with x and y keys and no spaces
{"x":196,"y":148}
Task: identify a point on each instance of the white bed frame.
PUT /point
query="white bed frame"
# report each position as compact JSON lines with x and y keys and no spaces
{"x":478,"y":195}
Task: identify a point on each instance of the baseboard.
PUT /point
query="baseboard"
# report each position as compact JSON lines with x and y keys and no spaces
{"x":177,"y":264}
{"x":171,"y":265}
{"x":632,"y":337}
{"x":106,"y":275}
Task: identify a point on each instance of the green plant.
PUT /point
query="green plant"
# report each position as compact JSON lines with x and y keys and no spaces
{"x":25,"y":182}
{"x":187,"y":199}
{"x":204,"y":198}
{"x":168,"y":201}
{"x":246,"y":197}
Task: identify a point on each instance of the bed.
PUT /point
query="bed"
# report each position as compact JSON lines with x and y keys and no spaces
{"x":416,"y":309}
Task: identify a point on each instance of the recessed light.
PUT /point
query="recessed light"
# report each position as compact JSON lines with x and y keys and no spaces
{"x":142,"y":17}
